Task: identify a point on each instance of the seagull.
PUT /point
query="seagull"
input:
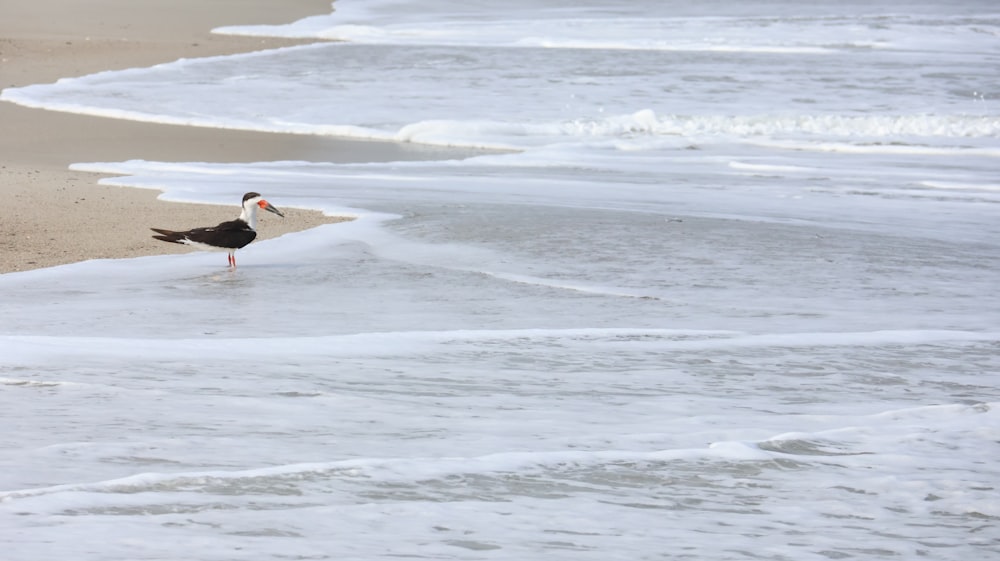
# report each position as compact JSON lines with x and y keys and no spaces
{"x":228,"y":236}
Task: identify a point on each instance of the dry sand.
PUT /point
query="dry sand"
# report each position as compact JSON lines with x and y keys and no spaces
{"x":51,"y":215}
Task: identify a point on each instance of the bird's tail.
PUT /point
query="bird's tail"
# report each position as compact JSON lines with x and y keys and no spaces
{"x":168,"y":235}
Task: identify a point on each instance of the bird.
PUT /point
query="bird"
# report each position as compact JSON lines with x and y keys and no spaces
{"x":228,"y":236}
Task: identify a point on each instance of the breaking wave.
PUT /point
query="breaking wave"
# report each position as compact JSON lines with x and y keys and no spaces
{"x":648,"y":123}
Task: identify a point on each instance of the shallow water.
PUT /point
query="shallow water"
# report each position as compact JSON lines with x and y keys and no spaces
{"x":731,"y":298}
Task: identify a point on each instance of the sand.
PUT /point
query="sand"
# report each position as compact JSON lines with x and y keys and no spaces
{"x":51,"y":215}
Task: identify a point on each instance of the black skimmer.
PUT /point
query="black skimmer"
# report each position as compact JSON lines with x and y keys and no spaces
{"x":228,"y":236}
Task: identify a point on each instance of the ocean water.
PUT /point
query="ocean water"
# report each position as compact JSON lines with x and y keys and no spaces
{"x":720,"y":283}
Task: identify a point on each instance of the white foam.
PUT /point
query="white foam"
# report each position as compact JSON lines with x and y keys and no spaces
{"x":105,"y":95}
{"x":641,"y":26}
{"x":33,"y":348}
{"x":961,"y":186}
{"x":770,"y":168}
{"x":883,"y":148}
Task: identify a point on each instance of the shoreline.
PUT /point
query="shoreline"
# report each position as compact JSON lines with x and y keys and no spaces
{"x":57,"y":216}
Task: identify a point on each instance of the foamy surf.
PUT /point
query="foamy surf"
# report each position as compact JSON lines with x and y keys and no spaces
{"x":729,"y":291}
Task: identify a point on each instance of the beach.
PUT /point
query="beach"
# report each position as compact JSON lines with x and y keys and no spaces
{"x":53,"y":215}
{"x":718,"y":283}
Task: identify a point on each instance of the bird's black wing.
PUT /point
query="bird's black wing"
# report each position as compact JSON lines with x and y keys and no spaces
{"x":228,"y":235}
{"x":233,"y":235}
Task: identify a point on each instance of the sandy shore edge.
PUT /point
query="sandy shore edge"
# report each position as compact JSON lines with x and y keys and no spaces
{"x":54,"y":215}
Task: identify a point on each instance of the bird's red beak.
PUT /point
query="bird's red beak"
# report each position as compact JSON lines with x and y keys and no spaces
{"x":270,"y":208}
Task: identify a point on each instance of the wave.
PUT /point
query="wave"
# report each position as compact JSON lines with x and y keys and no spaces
{"x":31,"y":383}
{"x":770,"y":168}
{"x":835,"y":439}
{"x":386,"y":469}
{"x":958,"y":186}
{"x":893,"y":148}
{"x":27,"y":348}
{"x":504,"y":135}
{"x":630,"y":28}
{"x":647,"y":121}
{"x":650,"y":125}
{"x":515,"y":34}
